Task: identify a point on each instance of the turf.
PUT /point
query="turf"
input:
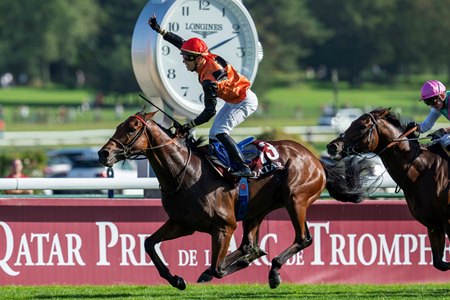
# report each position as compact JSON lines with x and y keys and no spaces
{"x":207,"y":291}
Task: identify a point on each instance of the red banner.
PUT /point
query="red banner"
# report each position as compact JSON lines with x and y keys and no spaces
{"x":101,"y":241}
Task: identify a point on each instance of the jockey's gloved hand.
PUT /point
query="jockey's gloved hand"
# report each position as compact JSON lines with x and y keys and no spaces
{"x":186,"y":127}
{"x":154,"y":25}
{"x":437,"y":134}
{"x":411,"y":125}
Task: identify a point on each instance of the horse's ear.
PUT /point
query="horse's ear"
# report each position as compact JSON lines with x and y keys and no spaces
{"x":149,"y":115}
{"x":385,"y":112}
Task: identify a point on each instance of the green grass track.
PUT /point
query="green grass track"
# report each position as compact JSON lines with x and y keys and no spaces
{"x":236,"y":292}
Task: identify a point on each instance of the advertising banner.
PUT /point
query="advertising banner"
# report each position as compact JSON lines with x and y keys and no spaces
{"x":101,"y":242}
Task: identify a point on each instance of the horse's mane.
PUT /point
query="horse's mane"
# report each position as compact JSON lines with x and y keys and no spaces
{"x":394,"y":119}
{"x":188,"y":139}
{"x":390,"y":116}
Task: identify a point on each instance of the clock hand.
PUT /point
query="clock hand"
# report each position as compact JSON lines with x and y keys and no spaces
{"x":223,"y":42}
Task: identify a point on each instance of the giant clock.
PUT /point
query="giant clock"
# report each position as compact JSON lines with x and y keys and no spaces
{"x":225,"y":26}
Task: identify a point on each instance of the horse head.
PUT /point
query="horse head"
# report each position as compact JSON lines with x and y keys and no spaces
{"x":362,"y":136}
{"x":130,"y":139}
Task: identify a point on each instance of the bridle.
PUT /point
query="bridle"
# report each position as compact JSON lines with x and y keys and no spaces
{"x":352,"y":149}
{"x":126,"y":149}
{"x":401,"y":138}
{"x":129,"y":154}
{"x":371,"y":141}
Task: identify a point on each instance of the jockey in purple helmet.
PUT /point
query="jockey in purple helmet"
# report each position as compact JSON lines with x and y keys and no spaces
{"x":433,"y":93}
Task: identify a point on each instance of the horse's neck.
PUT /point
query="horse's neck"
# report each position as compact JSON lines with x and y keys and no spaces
{"x":399,"y":157}
{"x":168,"y":159}
{"x":396,"y":156}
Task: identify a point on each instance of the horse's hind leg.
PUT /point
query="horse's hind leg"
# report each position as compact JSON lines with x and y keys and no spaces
{"x":170,"y":230}
{"x":302,"y":240}
{"x":437,"y":242}
{"x":249,"y":249}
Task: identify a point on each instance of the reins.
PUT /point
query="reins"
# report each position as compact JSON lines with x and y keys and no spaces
{"x":401,"y":138}
{"x":183,"y":172}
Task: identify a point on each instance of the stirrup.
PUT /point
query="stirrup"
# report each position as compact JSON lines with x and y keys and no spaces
{"x":243,"y":171}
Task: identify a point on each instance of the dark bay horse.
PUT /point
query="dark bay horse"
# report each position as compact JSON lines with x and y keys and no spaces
{"x":197,"y":198}
{"x":419,"y":171}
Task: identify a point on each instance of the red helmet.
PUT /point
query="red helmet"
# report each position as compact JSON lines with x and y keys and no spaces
{"x":194,"y":46}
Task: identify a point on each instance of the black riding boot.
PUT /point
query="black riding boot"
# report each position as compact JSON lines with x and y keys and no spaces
{"x":235,"y":154}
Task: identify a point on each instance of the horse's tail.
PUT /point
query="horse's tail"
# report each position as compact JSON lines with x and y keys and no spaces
{"x":345,"y":183}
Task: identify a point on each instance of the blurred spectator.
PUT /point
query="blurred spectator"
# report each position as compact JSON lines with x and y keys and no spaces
{"x":17,"y":172}
{"x":81,"y":78}
{"x":119,"y":111}
{"x":6,"y":80}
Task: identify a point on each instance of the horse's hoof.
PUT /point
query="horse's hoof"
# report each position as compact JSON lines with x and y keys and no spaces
{"x":243,"y":263}
{"x":442,"y":266}
{"x":274,"y":279}
{"x":205,"y":277}
{"x":179,"y":283}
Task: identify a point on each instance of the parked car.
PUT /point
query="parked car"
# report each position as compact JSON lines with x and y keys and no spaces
{"x":326,"y":117}
{"x":60,"y":161}
{"x":89,"y":167}
{"x":344,"y":117}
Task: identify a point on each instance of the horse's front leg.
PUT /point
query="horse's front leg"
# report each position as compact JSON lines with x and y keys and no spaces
{"x":170,"y":230}
{"x":220,"y":238}
{"x":437,"y":242}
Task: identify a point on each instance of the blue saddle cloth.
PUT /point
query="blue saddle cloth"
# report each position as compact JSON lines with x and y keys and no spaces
{"x":221,"y":153}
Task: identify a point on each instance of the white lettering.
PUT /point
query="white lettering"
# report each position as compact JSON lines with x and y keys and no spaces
{"x":55,"y":250}
{"x":317,"y":234}
{"x":74,"y":244}
{"x":9,"y":241}
{"x":387,"y":253}
{"x":127,"y":249}
{"x":40,"y":246}
{"x":102,"y":245}
{"x":24,"y":250}
{"x":373,"y":249}
{"x":187,"y":258}
{"x":409,"y":248}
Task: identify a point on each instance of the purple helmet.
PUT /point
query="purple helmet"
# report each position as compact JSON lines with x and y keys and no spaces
{"x":431,"y":88}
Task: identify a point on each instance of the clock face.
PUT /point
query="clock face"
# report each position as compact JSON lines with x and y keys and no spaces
{"x":227,"y":29}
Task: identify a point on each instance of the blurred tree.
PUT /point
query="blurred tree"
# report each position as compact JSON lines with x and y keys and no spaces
{"x":419,"y":37}
{"x":287,"y":32}
{"x":360,"y":38}
{"x":36,"y":34}
{"x":111,"y":70}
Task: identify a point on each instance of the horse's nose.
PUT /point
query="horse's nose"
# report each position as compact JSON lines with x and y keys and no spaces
{"x":103,"y":156}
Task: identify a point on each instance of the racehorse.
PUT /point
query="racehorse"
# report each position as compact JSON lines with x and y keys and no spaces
{"x":421,"y":172}
{"x":197,"y":198}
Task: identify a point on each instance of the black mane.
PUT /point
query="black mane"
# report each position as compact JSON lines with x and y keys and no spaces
{"x":392,"y":118}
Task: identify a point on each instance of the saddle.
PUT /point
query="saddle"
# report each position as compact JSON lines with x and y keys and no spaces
{"x":437,"y":148}
{"x":262,"y":157}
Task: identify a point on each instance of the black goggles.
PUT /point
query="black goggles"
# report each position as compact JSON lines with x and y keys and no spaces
{"x":189,"y":57}
{"x":430,"y":101}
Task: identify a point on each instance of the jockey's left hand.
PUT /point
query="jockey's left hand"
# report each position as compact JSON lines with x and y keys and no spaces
{"x":186,"y":127}
{"x":154,"y":24}
{"x":437,"y":134}
{"x":411,"y":125}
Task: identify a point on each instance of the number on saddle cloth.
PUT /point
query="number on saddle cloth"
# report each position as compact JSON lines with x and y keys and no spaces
{"x":262,"y":157}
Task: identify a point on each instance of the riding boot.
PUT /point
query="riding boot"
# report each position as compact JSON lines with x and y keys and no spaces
{"x":235,"y":154}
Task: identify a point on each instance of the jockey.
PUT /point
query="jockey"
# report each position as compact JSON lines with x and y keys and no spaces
{"x":433,"y":93}
{"x":219,"y":80}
